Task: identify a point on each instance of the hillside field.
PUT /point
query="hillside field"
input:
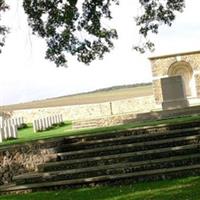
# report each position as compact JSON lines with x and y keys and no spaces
{"x":99,"y":96}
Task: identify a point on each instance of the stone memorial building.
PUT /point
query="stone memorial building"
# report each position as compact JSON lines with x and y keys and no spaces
{"x":186,"y":65}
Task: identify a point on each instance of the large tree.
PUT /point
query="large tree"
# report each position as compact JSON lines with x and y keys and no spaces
{"x":61,"y":22}
{"x":3,"y":28}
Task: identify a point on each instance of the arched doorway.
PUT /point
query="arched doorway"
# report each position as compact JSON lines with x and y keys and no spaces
{"x":183,"y":69}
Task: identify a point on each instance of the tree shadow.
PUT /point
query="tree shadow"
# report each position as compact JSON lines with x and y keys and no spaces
{"x":23,"y":158}
{"x":178,"y":189}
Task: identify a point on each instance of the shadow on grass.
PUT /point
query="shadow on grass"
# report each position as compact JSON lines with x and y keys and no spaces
{"x":179,"y":189}
{"x":26,"y":135}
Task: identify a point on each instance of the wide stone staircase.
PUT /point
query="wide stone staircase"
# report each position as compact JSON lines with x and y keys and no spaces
{"x":140,"y":154}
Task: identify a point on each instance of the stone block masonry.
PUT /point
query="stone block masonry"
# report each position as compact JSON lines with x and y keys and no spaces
{"x":185,"y":64}
{"x":18,"y":159}
{"x":91,"y":111}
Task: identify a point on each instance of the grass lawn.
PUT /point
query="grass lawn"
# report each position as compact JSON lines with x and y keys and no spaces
{"x":178,"y":189}
{"x":27,"y":134}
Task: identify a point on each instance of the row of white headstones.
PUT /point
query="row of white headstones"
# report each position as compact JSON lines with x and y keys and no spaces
{"x":45,"y":123}
{"x":8,"y":127}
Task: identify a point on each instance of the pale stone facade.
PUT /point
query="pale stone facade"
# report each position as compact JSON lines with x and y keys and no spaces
{"x":185,"y":64}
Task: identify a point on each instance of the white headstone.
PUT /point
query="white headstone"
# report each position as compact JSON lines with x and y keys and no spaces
{"x":1,"y":124}
{"x":14,"y":131}
{"x":13,"y":121}
{"x":61,"y":118}
{"x":35,"y":126}
{"x":9,"y":134}
{"x":16,"y":122}
{"x":5,"y":130}
{"x":44,"y":126}
{"x":1,"y":135}
{"x":40,"y":124}
{"x":47,"y":122}
{"x":50,"y":120}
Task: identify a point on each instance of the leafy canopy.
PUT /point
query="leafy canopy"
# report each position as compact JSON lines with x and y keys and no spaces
{"x":3,"y":28}
{"x":76,"y":26}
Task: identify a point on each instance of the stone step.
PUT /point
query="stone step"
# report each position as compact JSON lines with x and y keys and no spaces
{"x":94,"y":143}
{"x":136,"y":154}
{"x":133,"y":131}
{"x":85,"y":126}
{"x":133,"y":177}
{"x":132,"y":147}
{"x":97,"y":122}
{"x":120,"y":168}
{"x":119,"y":158}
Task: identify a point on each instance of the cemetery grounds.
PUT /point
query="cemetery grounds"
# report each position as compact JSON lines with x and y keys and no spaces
{"x":179,"y":189}
{"x":185,"y":188}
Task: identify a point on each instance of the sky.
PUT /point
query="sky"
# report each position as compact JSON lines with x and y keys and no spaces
{"x":26,"y":75}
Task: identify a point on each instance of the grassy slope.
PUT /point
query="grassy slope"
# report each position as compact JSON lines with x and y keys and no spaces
{"x":178,"y":189}
{"x":93,"y":97}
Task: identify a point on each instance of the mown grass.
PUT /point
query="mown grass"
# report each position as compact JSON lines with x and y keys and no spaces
{"x":27,"y":134}
{"x":178,"y":189}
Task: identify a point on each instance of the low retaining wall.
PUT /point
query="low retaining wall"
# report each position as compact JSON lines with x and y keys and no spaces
{"x":22,"y":158}
{"x":91,"y":111}
{"x":133,"y":105}
{"x":136,"y":117}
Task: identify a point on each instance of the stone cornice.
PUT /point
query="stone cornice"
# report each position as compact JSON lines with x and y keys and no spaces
{"x":174,"y":55}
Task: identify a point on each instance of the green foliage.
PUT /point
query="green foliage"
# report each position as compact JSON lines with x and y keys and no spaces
{"x":155,"y":13}
{"x":23,"y":125}
{"x":61,"y":23}
{"x":3,"y":28}
{"x":75,"y":27}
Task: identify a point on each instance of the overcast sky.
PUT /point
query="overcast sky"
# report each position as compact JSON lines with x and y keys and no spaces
{"x":26,"y":75}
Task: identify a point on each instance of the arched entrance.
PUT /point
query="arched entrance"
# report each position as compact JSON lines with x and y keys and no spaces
{"x":183,"y":69}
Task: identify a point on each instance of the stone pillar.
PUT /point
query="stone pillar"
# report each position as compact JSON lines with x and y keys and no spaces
{"x":197,"y":82}
{"x":157,"y":90}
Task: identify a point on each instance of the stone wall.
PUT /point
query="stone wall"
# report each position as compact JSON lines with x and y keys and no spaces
{"x":91,"y":111}
{"x":161,"y":66}
{"x":197,"y":81}
{"x":133,"y":105}
{"x":19,"y":159}
{"x":157,"y":90}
